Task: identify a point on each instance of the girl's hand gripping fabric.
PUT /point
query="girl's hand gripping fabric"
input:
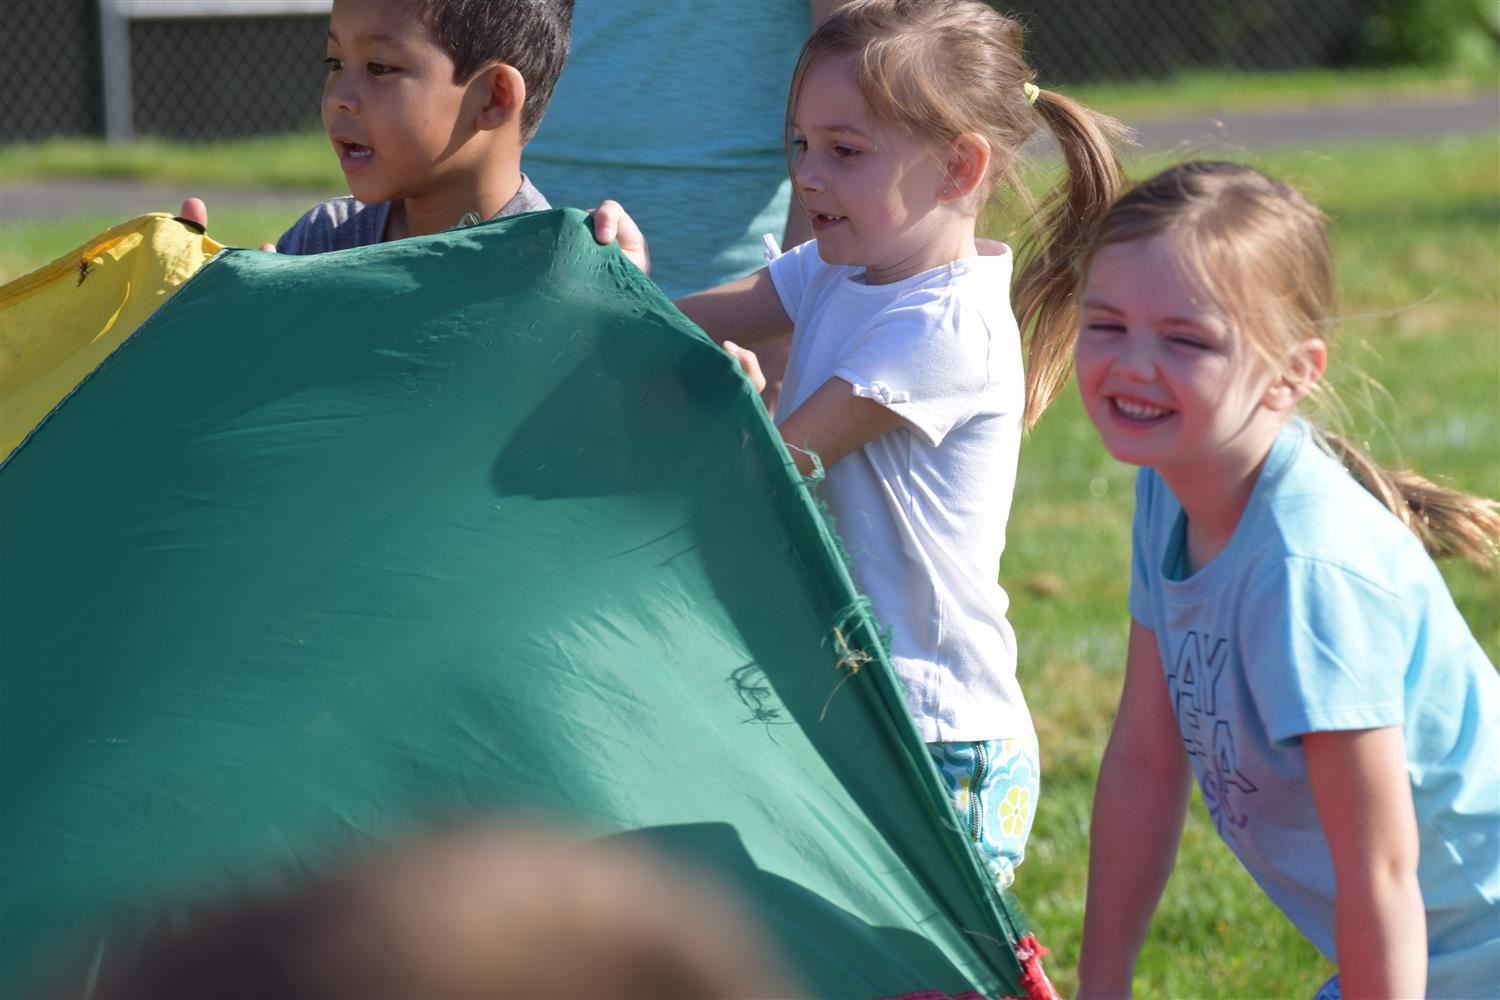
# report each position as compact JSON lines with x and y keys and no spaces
{"x":749,"y":364}
{"x":610,"y":222}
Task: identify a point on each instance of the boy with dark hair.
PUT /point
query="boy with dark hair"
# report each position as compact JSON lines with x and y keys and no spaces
{"x":428,"y":103}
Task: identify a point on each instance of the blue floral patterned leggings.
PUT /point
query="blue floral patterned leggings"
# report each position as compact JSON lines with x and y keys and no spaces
{"x":994,"y":786}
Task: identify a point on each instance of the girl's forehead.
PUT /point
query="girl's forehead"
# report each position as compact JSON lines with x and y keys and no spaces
{"x":1164,"y":256}
{"x":1159,"y":269}
{"x":829,"y":87}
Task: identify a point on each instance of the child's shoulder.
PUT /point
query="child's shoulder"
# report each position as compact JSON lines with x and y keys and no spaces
{"x":1313,"y":510}
{"x":970,"y":295}
{"x":336,"y":224}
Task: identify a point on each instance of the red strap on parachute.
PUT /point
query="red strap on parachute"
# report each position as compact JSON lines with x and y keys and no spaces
{"x":1034,"y":981}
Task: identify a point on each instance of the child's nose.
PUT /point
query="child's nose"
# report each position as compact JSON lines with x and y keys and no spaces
{"x":805,"y":177}
{"x":1136,"y":357}
{"x":338,"y":95}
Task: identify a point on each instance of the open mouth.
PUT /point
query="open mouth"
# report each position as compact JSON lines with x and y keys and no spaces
{"x":352,"y":154}
{"x":1135,"y":410}
{"x":822,"y":220}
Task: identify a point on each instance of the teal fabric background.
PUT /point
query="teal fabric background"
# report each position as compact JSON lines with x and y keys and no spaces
{"x":463,"y":523}
{"x":677,"y":110}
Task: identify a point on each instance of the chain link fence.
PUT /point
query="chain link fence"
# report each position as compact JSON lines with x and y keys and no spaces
{"x":1087,"y":41}
{"x":202,"y":69}
{"x":49,"y":55}
{"x":183,"y":69}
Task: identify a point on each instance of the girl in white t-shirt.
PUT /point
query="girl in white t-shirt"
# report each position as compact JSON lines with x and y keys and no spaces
{"x":905,"y":380}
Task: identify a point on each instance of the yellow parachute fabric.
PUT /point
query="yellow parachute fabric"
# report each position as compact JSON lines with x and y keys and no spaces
{"x":59,"y":322}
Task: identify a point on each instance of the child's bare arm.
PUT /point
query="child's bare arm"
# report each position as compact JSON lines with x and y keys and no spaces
{"x":747,"y":311}
{"x":1140,"y":803}
{"x":833,"y":422}
{"x":1364,"y":801}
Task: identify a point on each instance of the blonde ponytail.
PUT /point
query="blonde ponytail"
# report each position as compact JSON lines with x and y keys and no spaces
{"x":1046,"y":291}
{"x":1449,"y":522}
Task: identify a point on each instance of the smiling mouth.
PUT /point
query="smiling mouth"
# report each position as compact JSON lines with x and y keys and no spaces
{"x":1133,"y":410}
{"x":354,"y":150}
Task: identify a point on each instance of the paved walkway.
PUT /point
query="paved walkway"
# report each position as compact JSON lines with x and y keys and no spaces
{"x":126,"y":199}
{"x":1320,"y":126}
{"x":1190,"y":136}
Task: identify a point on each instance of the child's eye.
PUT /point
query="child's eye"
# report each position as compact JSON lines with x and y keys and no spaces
{"x":1195,"y":343}
{"x":1105,"y":326}
{"x":379,"y":69}
{"x":844,"y":152}
{"x":334,"y":65}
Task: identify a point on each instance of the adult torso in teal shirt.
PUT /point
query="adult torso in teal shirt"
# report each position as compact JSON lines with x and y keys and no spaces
{"x":676,"y":109}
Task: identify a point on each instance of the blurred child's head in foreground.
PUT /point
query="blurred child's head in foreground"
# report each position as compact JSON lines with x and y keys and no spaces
{"x":489,"y":910}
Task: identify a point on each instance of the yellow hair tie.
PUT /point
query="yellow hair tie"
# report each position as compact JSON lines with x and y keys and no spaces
{"x":1031,"y":91}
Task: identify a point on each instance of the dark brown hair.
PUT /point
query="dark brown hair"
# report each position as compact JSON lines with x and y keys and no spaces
{"x":531,"y":35}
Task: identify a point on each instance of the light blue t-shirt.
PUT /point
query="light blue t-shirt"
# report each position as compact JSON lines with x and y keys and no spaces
{"x":1324,"y":613}
{"x":676,"y":109}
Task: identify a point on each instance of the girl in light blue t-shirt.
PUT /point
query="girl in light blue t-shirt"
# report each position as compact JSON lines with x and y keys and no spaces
{"x":1292,"y":643}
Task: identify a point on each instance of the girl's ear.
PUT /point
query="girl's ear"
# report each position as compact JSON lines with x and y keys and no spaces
{"x":1305,"y":366}
{"x":504,"y":93}
{"x":965,"y":167}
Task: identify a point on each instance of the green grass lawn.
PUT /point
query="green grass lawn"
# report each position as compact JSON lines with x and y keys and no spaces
{"x":1415,"y":228}
{"x":1197,"y":91}
{"x":301,"y":160}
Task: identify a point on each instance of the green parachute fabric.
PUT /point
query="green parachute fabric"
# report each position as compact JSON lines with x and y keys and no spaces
{"x":464,"y":523}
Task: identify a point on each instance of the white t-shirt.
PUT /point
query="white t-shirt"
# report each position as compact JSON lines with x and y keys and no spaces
{"x":922,"y":509}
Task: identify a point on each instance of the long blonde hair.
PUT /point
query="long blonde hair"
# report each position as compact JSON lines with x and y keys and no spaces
{"x":938,"y":69}
{"x":1261,"y":250}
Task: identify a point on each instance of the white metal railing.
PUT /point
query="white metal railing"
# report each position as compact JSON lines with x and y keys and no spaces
{"x":114,"y":42}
